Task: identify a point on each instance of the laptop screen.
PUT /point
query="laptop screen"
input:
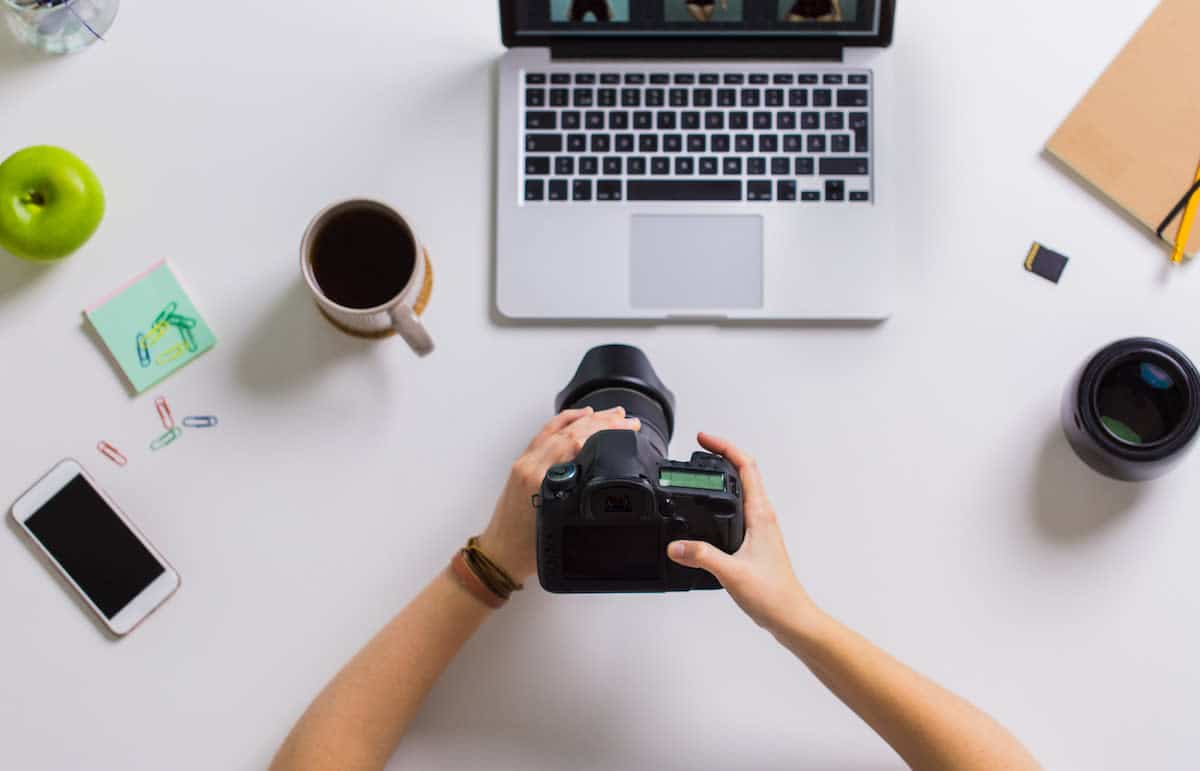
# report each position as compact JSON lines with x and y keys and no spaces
{"x":697,"y":18}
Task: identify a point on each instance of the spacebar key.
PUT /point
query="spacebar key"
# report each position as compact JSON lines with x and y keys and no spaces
{"x":683,"y":190}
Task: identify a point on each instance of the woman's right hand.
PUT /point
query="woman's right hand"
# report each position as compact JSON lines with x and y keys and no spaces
{"x":759,"y":575}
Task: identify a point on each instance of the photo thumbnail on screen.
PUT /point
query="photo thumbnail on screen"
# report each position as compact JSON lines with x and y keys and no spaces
{"x":806,"y":11}
{"x":591,"y":11}
{"x":702,"y":11}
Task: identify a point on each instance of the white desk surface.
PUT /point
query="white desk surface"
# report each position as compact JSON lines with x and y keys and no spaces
{"x":918,"y":469}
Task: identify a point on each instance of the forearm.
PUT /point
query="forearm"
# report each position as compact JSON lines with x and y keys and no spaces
{"x":929,"y":727}
{"x":361,"y":714}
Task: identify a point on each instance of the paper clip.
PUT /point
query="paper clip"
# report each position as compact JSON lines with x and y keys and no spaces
{"x":189,"y":339}
{"x":200,"y":421}
{"x":166,"y":313}
{"x":164,"y":412}
{"x":166,"y":438}
{"x":171,"y":354}
{"x":112,"y":453}
{"x":156,"y":332}
{"x":183,"y":322}
{"x":143,"y":350}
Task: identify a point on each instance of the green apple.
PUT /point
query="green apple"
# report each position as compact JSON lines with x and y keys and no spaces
{"x":50,"y":203}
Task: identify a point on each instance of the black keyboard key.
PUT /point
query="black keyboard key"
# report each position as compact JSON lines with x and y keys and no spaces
{"x":576,"y":143}
{"x":690,"y":120}
{"x":782,"y":78}
{"x":739,"y":120}
{"x":618,"y":120}
{"x":666,"y":121}
{"x":583,"y":97}
{"x":589,"y":166}
{"x":835,"y":121}
{"x":558,"y":190}
{"x":635,"y":78}
{"x":660,"y":77}
{"x":631,"y":97}
{"x":714,"y":120}
{"x":708,"y":165}
{"x":810,"y":195}
{"x":750,"y":97}
{"x":822,"y":97}
{"x":678,"y":97}
{"x":672,"y":143}
{"x":660,"y":166}
{"x":647,"y":143}
{"x":537,"y":165}
{"x":860,"y":195}
{"x":845,"y":166}
{"x":585,"y":77}
{"x":852,"y":97}
{"x":773,"y":97}
{"x":832,"y":79}
{"x":857,"y":79}
{"x":804,"y":167}
{"x":793,"y":143}
{"x":762,"y":120}
{"x":581,"y":190}
{"x":610,"y":77}
{"x":785,"y":190}
{"x":702,"y":97}
{"x":709,"y":78}
{"x":535,"y":97}
{"x":720,"y":143}
{"x":816,"y":143}
{"x":758,"y":191}
{"x":570,"y":119}
{"x":564,"y":165}
{"x":642,"y":120}
{"x":541,"y":119}
{"x":731,"y":166}
{"x":684,"y":190}
{"x":559,"y":97}
{"x":544,"y":143}
{"x":810,"y":121}
{"x":768,"y":143}
{"x":601,"y":143}
{"x":726,"y":97}
{"x":759,"y":78}
{"x":636,"y":166}
{"x":535,"y":77}
{"x":744,"y":143}
{"x":685,"y":78}
{"x":859,"y":125}
{"x":607,"y":97}
{"x":756,"y":166}
{"x":797,"y":97}
{"x":535,"y":190}
{"x":734,"y":78}
{"x":593,"y":119}
{"x":807,"y":79}
{"x":623,"y":143}
{"x":835,"y":190}
{"x":697,"y":143}
{"x":785,"y":121}
{"x":684,"y":166}
{"x":655,"y":97}
{"x":608,"y":190}
{"x":839,"y":143}
{"x":560,"y":77}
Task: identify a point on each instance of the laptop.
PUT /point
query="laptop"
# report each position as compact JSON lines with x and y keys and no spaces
{"x":693,"y":160}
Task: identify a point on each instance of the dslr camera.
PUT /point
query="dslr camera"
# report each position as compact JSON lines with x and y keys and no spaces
{"x":604,"y":520}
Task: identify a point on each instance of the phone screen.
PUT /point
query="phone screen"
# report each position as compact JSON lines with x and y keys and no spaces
{"x":94,"y":546}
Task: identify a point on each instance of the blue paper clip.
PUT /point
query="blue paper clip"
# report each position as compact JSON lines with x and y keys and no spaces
{"x":165,"y":313}
{"x":183,"y":322}
{"x":200,"y":421}
{"x":188,"y":339}
{"x":166,"y":438}
{"x":156,"y":332}
{"x":143,"y":350}
{"x":171,"y":354}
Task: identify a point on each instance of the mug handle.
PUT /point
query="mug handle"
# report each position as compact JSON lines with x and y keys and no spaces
{"x":409,"y":326}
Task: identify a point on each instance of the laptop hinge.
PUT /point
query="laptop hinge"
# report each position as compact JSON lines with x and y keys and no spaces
{"x":800,"y":52}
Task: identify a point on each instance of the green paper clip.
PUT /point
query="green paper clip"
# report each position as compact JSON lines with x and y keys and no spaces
{"x":166,"y":438}
{"x":165,"y":314}
{"x":183,"y":322}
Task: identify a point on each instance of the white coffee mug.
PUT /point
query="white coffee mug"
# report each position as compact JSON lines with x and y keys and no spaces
{"x":400,"y":314}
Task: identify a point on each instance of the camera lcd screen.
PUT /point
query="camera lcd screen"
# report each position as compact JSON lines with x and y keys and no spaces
{"x":96,"y":549}
{"x":612,"y":553}
{"x":696,"y":480}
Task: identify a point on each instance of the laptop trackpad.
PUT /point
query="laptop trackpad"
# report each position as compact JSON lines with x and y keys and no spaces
{"x":696,"y":261}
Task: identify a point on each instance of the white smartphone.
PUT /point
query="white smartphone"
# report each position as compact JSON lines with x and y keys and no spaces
{"x":116,"y":571}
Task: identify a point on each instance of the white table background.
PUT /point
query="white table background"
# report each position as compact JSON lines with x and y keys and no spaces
{"x":918,"y":468}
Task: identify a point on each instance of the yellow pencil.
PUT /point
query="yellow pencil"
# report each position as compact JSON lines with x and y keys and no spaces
{"x":1185,"y":227}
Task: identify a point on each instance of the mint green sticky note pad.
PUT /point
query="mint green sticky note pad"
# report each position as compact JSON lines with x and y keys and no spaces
{"x":151,"y":327}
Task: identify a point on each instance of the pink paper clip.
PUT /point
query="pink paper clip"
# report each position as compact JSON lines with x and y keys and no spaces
{"x":112,"y":453}
{"x":164,"y":413}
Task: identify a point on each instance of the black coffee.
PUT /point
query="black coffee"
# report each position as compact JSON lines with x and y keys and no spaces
{"x":362,"y":258}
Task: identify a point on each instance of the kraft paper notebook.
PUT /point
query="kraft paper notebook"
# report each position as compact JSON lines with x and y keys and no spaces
{"x":1136,"y":135}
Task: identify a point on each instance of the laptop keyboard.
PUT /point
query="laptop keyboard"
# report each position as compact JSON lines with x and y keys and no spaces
{"x":732,"y":136}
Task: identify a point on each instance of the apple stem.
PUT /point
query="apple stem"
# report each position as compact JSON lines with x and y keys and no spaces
{"x":36,"y":198}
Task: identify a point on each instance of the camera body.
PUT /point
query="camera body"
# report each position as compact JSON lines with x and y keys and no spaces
{"x":605,"y":519}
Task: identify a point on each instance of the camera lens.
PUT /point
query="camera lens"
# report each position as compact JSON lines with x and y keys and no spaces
{"x":1141,"y":401}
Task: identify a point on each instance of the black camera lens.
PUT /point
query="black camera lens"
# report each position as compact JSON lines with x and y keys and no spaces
{"x":1141,"y":401}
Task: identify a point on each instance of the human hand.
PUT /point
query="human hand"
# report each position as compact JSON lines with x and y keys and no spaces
{"x":758,"y":575}
{"x":511,"y":537}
